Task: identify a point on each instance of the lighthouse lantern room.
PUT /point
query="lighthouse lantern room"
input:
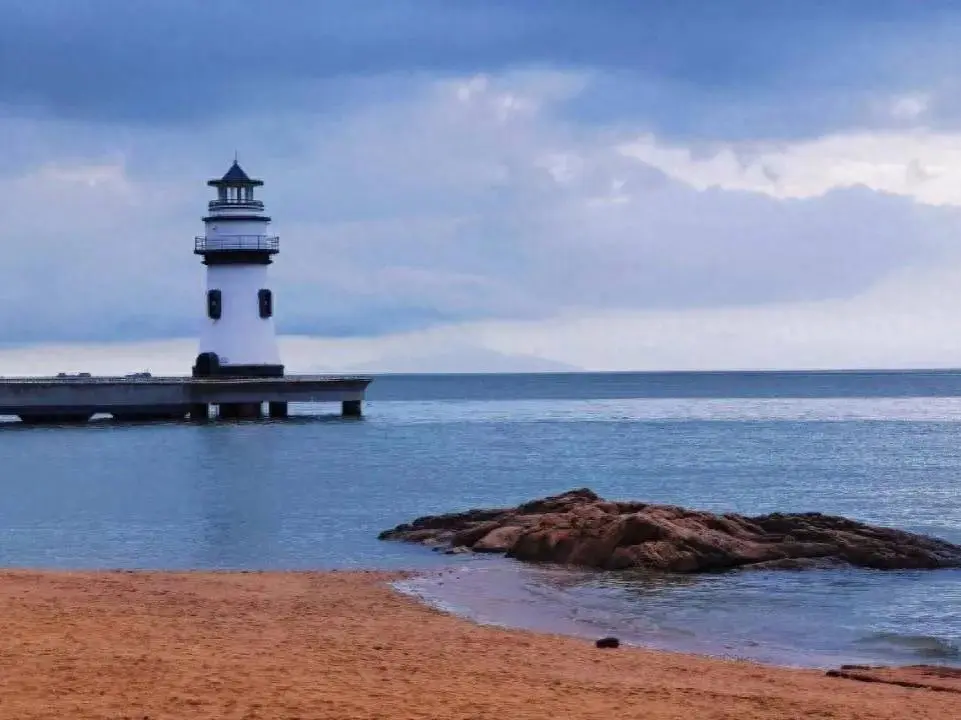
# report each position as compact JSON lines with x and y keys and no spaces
{"x":238,"y":337}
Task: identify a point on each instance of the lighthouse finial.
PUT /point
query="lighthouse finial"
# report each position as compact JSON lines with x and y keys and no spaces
{"x":235,"y":156}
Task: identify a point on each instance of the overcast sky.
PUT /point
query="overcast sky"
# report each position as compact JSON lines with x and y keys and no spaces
{"x":611,"y":184}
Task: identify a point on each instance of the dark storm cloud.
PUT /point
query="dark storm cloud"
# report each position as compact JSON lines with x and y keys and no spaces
{"x":734,"y":68}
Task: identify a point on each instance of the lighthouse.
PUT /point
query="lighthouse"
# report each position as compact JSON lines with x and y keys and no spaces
{"x":238,"y":368}
{"x":237,"y":337}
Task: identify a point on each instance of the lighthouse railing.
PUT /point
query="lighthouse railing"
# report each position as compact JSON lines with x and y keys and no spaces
{"x":235,"y":204}
{"x":264,"y":243}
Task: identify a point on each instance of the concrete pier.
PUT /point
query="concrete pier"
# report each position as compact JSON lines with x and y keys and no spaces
{"x":143,"y":414}
{"x":240,"y":411}
{"x":77,"y":399}
{"x":56,"y":417}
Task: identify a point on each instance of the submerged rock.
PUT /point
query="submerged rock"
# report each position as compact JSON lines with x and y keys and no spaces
{"x":580,"y":528}
{"x":926,"y":677}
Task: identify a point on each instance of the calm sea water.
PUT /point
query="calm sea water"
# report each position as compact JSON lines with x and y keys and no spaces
{"x":314,"y":492}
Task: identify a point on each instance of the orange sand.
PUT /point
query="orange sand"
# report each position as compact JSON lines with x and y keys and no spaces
{"x":344,"y":645}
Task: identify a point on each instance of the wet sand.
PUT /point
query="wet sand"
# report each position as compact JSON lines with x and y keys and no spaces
{"x":345,"y":645}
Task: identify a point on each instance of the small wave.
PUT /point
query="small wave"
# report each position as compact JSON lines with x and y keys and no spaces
{"x":421,"y":594}
{"x":924,"y":646}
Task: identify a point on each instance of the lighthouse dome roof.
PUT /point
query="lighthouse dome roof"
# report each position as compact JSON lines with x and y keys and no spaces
{"x":235,"y":175}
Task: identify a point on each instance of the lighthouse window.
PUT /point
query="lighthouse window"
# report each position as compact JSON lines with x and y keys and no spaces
{"x":265,"y":299}
{"x":214,"y":304}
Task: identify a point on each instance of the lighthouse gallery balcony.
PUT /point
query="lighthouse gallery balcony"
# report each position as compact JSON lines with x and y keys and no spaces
{"x":229,"y":203}
{"x":229,"y":243}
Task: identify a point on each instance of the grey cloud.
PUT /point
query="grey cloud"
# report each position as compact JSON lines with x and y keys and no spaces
{"x":434,"y":209}
{"x":742,"y":68}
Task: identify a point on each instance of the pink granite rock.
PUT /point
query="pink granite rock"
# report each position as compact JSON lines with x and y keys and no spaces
{"x":580,"y":528}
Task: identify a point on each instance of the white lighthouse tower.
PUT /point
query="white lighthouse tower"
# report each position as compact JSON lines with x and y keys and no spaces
{"x":238,"y":336}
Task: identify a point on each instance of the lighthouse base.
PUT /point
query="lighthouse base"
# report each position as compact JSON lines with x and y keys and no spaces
{"x":208,"y":365}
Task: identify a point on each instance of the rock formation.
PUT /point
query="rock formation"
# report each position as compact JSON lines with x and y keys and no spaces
{"x":926,"y":677}
{"x":580,"y":528}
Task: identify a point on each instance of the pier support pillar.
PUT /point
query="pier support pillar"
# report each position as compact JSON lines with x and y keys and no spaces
{"x":277,"y":409}
{"x":241,"y":411}
{"x":351,"y":408}
{"x":199,"y":412}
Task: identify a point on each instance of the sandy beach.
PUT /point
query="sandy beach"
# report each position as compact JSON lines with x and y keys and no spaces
{"x":346,"y":645}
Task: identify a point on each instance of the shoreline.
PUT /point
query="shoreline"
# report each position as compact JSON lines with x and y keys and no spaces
{"x":347,"y":644}
{"x":549,"y":598}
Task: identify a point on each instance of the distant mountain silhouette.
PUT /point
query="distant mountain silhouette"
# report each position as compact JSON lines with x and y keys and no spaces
{"x":465,"y":359}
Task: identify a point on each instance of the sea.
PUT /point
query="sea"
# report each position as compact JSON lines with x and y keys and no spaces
{"x":314,"y":491}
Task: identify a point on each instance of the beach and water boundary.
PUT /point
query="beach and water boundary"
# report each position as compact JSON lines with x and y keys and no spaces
{"x":346,"y":645}
{"x":259,"y":495}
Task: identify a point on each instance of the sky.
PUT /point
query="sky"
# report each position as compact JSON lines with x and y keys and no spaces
{"x":489,"y":185}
